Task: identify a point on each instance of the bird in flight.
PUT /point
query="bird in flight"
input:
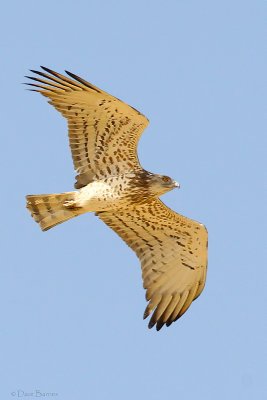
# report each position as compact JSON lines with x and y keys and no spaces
{"x":103,"y":135}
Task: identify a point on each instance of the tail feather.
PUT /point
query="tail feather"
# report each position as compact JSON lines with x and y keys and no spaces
{"x":48,"y":210}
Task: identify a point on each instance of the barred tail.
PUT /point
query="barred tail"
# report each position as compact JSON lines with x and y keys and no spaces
{"x":49,"y":210}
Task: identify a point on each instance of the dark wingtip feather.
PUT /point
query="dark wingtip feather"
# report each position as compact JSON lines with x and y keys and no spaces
{"x":33,"y":84}
{"x":168,"y":323}
{"x":151,"y":323}
{"x":81,"y":80}
{"x":78,"y":78}
{"x":47,"y":69}
{"x":159,"y":325}
{"x":39,"y":73}
{"x":29,"y":84}
{"x":34,"y":79}
{"x":146,"y":312}
{"x":72,"y":74}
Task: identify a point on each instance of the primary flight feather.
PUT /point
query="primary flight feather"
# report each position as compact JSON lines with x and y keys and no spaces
{"x":103,"y":135}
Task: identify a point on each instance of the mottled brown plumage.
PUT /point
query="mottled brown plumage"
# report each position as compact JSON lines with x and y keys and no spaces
{"x":103,"y":135}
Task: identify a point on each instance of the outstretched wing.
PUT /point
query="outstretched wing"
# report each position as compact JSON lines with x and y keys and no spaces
{"x":173,"y":254}
{"x":103,"y":130}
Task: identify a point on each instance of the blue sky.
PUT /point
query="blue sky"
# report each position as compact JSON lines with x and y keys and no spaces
{"x":72,"y":298}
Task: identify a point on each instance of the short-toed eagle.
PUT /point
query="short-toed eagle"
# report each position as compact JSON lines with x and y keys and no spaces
{"x":103,"y":136}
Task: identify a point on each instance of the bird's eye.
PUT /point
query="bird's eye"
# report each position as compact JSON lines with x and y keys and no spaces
{"x":166,"y":179}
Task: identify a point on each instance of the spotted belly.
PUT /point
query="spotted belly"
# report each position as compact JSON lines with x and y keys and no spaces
{"x":106,"y":194}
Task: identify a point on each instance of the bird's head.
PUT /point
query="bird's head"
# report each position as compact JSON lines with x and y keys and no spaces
{"x":144,"y":184}
{"x":160,"y":184}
